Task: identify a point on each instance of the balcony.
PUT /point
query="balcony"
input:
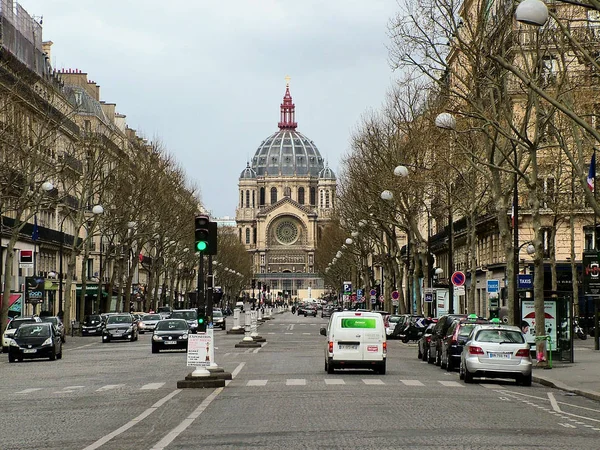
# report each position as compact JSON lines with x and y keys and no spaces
{"x":71,"y":162}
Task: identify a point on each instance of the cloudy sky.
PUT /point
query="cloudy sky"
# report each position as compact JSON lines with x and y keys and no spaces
{"x":206,"y":77}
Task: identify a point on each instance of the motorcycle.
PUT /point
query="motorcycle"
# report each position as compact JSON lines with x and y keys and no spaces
{"x":579,"y":331}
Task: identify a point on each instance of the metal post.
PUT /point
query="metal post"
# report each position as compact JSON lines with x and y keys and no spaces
{"x":450,"y":261}
{"x":201,"y":303}
{"x":209,"y":291}
{"x":516,"y":304}
{"x":100,"y":290}
{"x":60,"y":270}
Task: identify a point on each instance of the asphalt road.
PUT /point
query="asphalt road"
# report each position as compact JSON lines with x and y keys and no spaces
{"x":121,"y":396}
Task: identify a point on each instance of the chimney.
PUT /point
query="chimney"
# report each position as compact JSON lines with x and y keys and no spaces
{"x":46,"y":48}
{"x":109,"y":110}
{"x":74,"y":77}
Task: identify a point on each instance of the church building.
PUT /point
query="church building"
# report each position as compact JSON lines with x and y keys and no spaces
{"x":286,"y":196}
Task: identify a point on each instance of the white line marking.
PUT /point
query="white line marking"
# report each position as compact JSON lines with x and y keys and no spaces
{"x":295,"y":382}
{"x":187,"y":422}
{"x":27,"y":391}
{"x":288,"y":333}
{"x":256,"y":383}
{"x":226,"y":355}
{"x":372,"y":382}
{"x":248,"y":350}
{"x":334,"y":381}
{"x":77,"y":348}
{"x":235,"y":372}
{"x":412,"y":383}
{"x":567,"y":425}
{"x":555,"y":406}
{"x":256,"y":350}
{"x":308,"y":334}
{"x":271,"y":332}
{"x":489,"y":386}
{"x":291,"y":327}
{"x":451,"y":383}
{"x":109,"y":387}
{"x":100,"y":442}
{"x":152,"y":386}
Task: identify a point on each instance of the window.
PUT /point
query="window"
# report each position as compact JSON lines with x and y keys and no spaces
{"x":301,"y":195}
{"x":547,"y":243}
{"x":254,"y":237}
{"x":326,"y":199}
{"x":241,"y":199}
{"x":261,"y":200}
{"x":240,"y":230}
{"x":273,"y":195}
{"x":313,"y":196}
{"x":247,"y":235}
{"x":247,"y":199}
{"x":321,"y":199}
{"x":253,"y":199}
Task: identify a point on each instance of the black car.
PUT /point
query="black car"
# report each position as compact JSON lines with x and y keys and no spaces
{"x":439,"y":332}
{"x":170,"y":334}
{"x":189,"y":315}
{"x":92,"y":324}
{"x":55,"y":320}
{"x":411,"y":328}
{"x":35,"y":340}
{"x":120,"y":326}
{"x":218,"y":319}
{"x":457,"y":336}
{"x":423,"y":342}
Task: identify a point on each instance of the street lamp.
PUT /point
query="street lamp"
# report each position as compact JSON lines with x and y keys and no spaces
{"x":349,"y":241}
{"x":532,"y":12}
{"x":387,"y":195}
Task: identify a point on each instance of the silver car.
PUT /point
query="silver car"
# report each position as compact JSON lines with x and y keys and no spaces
{"x":148,"y":322}
{"x":497,"y":351}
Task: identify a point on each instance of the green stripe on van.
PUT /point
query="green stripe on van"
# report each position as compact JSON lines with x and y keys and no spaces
{"x":355,"y":322}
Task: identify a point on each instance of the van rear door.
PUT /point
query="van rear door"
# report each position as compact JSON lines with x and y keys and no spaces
{"x":350,"y":337}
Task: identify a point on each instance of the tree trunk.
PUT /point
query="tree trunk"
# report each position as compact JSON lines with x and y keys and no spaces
{"x":10,"y":256}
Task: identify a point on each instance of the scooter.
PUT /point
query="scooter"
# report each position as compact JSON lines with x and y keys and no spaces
{"x":579,"y":331}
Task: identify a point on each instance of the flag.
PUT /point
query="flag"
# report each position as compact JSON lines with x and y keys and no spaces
{"x":592,"y":173}
{"x":35,"y":234}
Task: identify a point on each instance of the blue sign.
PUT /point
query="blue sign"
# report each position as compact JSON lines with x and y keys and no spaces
{"x":347,"y":287}
{"x":493,"y":286}
{"x":525,"y":281}
{"x":373,"y":292}
{"x":428,"y":298}
{"x":359,"y":293}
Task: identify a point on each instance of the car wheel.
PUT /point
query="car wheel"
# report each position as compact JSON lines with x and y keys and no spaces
{"x":468,"y":376}
{"x":420,"y":353}
{"x":106,"y":340}
{"x":461,"y":373}
{"x":430,"y":360}
{"x":64,"y":339}
{"x":405,"y":339}
{"x":59,"y":355}
{"x":525,"y":380}
{"x":449,"y":365}
{"x":381,"y":369}
{"x":425,"y":355}
{"x":443,"y":362}
{"x":11,"y":358}
{"x":52,"y":356}
{"x":154,"y":349}
{"x":325,"y":366}
{"x":438,"y":359}
{"x":4,"y":349}
{"x":330,"y":369}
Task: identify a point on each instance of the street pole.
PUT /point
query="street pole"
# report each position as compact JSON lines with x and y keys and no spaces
{"x":450,"y":260}
{"x":60,"y":270}
{"x":516,"y":304}
{"x":209,"y":291}
{"x":201,"y":303}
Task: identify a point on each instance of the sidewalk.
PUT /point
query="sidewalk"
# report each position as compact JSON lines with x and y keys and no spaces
{"x":581,"y":377}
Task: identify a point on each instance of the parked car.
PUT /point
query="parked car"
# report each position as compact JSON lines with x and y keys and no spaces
{"x":35,"y":340}
{"x":121,"y":327}
{"x":497,"y":351}
{"x":170,"y":334}
{"x":423,"y":342}
{"x":55,"y":320}
{"x":439,"y":332}
{"x":456,"y":337}
{"x":13,"y":326}
{"x":411,"y":328}
{"x":93,"y":324}
{"x":189,"y":315}
{"x":355,"y":340}
{"x":218,"y":319}
{"x":390,"y":323}
{"x":148,"y":322}
{"x":327,"y":311}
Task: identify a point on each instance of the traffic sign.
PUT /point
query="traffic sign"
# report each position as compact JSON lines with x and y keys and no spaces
{"x":395,"y":295}
{"x":381,"y":298}
{"x":347,"y":287}
{"x":525,"y":281}
{"x":373,"y":292}
{"x":493,"y":286}
{"x":458,"y":278}
{"x":429,"y":297}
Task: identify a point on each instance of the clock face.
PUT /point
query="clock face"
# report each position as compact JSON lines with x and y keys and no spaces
{"x":286,"y":232}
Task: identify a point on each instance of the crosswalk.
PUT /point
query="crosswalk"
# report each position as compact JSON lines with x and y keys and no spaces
{"x":352,"y":382}
{"x":105,"y":388}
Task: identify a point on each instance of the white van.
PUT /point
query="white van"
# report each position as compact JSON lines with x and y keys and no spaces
{"x":355,"y":339}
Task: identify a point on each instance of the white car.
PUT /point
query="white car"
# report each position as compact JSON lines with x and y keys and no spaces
{"x":148,"y":322}
{"x":497,"y":351}
{"x":12,"y":327}
{"x":355,"y":339}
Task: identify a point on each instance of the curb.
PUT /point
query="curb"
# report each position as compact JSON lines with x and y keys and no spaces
{"x":563,"y":387}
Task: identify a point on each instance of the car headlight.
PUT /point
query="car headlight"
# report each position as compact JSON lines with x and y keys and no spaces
{"x":141,"y":325}
{"x":185,"y":336}
{"x":156,"y":338}
{"x":12,"y":343}
{"x":47,"y":342}
{"x":130,"y":329}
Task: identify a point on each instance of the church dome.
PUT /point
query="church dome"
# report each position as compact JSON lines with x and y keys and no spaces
{"x":327,"y":173}
{"x":287,"y":152}
{"x":248,"y":173}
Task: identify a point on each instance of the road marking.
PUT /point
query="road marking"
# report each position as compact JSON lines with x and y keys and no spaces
{"x":451,"y":383}
{"x":295,"y":382}
{"x":226,"y":355}
{"x":188,"y":421}
{"x":108,"y":387}
{"x":307,"y":334}
{"x":68,"y":389}
{"x":81,"y":346}
{"x":152,"y":386}
{"x":371,"y":381}
{"x":28,"y":391}
{"x":291,"y":327}
{"x":567,"y":425}
{"x":235,"y":372}
{"x":100,"y":442}
{"x":490,"y":386}
{"x":555,"y":406}
{"x":256,"y":383}
{"x":271,"y":332}
{"x":412,"y":383}
{"x":288,"y":333}
{"x":256,"y":350}
{"x":334,"y":381}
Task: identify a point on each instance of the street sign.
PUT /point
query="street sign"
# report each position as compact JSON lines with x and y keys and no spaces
{"x":373,"y":300}
{"x":395,"y":295}
{"x":359,"y":293}
{"x":525,"y":281}
{"x":459,"y":290}
{"x":381,"y":298}
{"x":347,"y":287}
{"x":493,"y":286}
{"x":373,"y":292}
{"x":458,"y":278}
{"x":25,"y":259}
{"x":429,"y":297}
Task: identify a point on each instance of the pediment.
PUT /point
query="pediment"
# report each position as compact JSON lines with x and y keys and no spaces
{"x":286,"y":203}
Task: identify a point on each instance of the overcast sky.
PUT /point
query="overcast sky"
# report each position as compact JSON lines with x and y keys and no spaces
{"x":206,"y":77}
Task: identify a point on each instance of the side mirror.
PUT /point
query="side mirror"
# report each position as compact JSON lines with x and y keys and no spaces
{"x":323,"y":331}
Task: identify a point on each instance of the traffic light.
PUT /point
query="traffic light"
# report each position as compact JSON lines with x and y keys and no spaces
{"x":202,"y":323}
{"x":260,"y":286}
{"x":253,"y":283}
{"x":201,"y":234}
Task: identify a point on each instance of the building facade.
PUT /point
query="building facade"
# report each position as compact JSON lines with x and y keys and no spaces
{"x":286,"y":196}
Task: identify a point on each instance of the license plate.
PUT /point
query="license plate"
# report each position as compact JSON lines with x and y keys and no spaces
{"x":29,"y":350}
{"x":499,"y":355}
{"x":348,"y":347}
{"x":170,"y":342}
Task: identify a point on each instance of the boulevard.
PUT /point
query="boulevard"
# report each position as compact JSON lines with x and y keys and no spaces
{"x":120,"y":396}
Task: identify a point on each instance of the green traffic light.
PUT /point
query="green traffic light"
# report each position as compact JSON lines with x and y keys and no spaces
{"x":201,"y":246}
{"x":201,"y":320}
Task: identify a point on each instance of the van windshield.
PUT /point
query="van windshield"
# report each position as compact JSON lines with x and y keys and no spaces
{"x":359,"y":322}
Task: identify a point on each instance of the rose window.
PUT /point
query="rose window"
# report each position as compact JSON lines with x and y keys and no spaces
{"x":286,"y":232}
